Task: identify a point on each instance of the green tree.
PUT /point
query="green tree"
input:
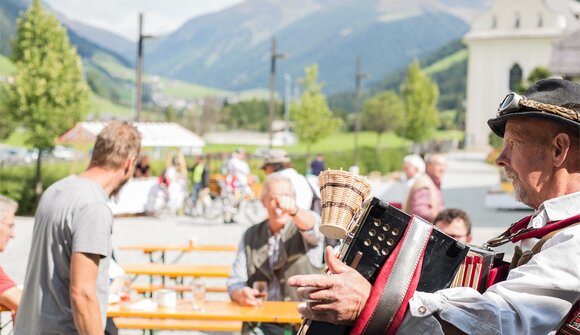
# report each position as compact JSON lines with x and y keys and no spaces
{"x":538,"y":73}
{"x":248,"y":115}
{"x":7,"y":122}
{"x":420,"y":96}
{"x":383,"y":112}
{"x":48,"y":94}
{"x":313,"y":120}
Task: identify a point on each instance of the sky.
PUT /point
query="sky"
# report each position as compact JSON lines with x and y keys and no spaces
{"x":122,"y":16}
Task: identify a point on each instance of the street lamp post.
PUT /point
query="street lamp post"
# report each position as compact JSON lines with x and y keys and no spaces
{"x":288,"y":81}
{"x":273,"y":57}
{"x":359,"y":76}
{"x":138,"y":97}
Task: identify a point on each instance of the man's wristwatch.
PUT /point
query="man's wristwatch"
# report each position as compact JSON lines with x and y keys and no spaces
{"x":295,"y":212}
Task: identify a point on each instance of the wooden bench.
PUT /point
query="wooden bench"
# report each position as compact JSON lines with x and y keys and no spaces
{"x":147,"y":288}
{"x":178,"y":324}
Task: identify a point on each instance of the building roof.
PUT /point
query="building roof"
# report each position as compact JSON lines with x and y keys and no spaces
{"x":509,"y":19}
{"x":153,"y":134}
{"x":566,"y":56}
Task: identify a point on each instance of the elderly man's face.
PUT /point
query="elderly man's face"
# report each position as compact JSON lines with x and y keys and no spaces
{"x":436,"y":168}
{"x":410,"y":170}
{"x":276,"y":217}
{"x":526,"y":160}
{"x":6,"y":229}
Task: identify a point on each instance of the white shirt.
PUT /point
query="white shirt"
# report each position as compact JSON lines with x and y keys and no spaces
{"x":301,"y":187}
{"x":240,"y":170}
{"x":534,"y":299}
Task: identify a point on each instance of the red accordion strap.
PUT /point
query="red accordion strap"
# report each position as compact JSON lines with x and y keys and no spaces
{"x":396,"y":283}
{"x":548,"y":228}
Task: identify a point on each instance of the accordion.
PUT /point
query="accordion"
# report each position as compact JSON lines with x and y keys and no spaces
{"x":400,"y":254}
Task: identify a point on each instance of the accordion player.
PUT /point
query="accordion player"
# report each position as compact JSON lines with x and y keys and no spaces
{"x":399,"y":254}
{"x":541,"y":295}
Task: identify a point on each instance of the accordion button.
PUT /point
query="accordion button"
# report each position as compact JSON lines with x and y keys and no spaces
{"x":422,"y":309}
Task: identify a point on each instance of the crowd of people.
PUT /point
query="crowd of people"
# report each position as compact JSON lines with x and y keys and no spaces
{"x":66,"y":285}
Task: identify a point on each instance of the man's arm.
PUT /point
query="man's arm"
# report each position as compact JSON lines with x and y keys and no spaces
{"x":10,"y":298}
{"x":237,"y":282}
{"x":83,"y":293}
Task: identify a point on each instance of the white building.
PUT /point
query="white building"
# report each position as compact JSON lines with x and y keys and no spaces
{"x":505,"y":44}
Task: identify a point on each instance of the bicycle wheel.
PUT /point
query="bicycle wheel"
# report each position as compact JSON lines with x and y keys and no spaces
{"x":253,"y":210}
{"x":213,"y":208}
{"x":228,"y":210}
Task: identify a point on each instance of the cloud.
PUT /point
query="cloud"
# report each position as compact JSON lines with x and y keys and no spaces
{"x":121,"y":16}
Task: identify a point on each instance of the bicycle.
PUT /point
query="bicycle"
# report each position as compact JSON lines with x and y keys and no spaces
{"x":219,"y":201}
{"x":241,"y":201}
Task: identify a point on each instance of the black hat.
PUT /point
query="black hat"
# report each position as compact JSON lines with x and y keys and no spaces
{"x":549,"y":93}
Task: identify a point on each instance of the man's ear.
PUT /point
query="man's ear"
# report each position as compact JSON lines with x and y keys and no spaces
{"x":129,"y":164}
{"x":560,"y":147}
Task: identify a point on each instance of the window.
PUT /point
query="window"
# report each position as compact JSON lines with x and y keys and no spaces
{"x":517,"y":23}
{"x":540,"y":20}
{"x":515,"y":77}
{"x":494,"y":22}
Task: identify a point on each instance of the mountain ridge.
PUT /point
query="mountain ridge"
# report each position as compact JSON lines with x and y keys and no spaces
{"x":235,"y":55}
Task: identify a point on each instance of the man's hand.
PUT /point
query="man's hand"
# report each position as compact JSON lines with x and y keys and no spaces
{"x":287,"y":204}
{"x":338,"y":298}
{"x":246,"y":297}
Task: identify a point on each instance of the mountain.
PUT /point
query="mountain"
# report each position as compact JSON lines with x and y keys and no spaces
{"x":231,"y":49}
{"x":119,"y":46}
{"x":88,"y":40}
{"x":9,"y":11}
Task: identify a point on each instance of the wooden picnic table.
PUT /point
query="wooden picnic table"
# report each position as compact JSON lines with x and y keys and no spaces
{"x":178,"y":270}
{"x":150,"y":249}
{"x":270,"y":311}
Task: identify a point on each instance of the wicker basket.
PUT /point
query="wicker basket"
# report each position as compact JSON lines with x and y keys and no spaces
{"x":342,"y":194}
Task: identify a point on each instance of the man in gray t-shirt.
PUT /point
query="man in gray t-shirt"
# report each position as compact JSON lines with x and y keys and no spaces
{"x":66,"y":284}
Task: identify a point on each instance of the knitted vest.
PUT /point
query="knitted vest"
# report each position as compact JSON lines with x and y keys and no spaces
{"x":291,"y":261}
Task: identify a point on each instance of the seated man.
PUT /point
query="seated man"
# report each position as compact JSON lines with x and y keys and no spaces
{"x":287,"y":243}
{"x":455,"y":223}
{"x":9,"y":293}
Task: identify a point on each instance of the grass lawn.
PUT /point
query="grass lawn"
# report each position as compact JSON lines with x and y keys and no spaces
{"x":180,"y":89}
{"x":17,"y":139}
{"x":114,"y":67}
{"x":447,"y":62}
{"x":100,"y":106}
{"x":336,"y":142}
{"x":6,"y":66}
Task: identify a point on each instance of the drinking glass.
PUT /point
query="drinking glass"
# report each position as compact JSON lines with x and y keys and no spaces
{"x":262,"y":287}
{"x":125,"y":292}
{"x":198,"y":294}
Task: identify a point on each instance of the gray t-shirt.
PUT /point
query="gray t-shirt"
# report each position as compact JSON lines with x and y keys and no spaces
{"x":72,"y":216}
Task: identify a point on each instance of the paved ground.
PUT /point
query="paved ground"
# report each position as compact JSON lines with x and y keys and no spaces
{"x":465,"y":185}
